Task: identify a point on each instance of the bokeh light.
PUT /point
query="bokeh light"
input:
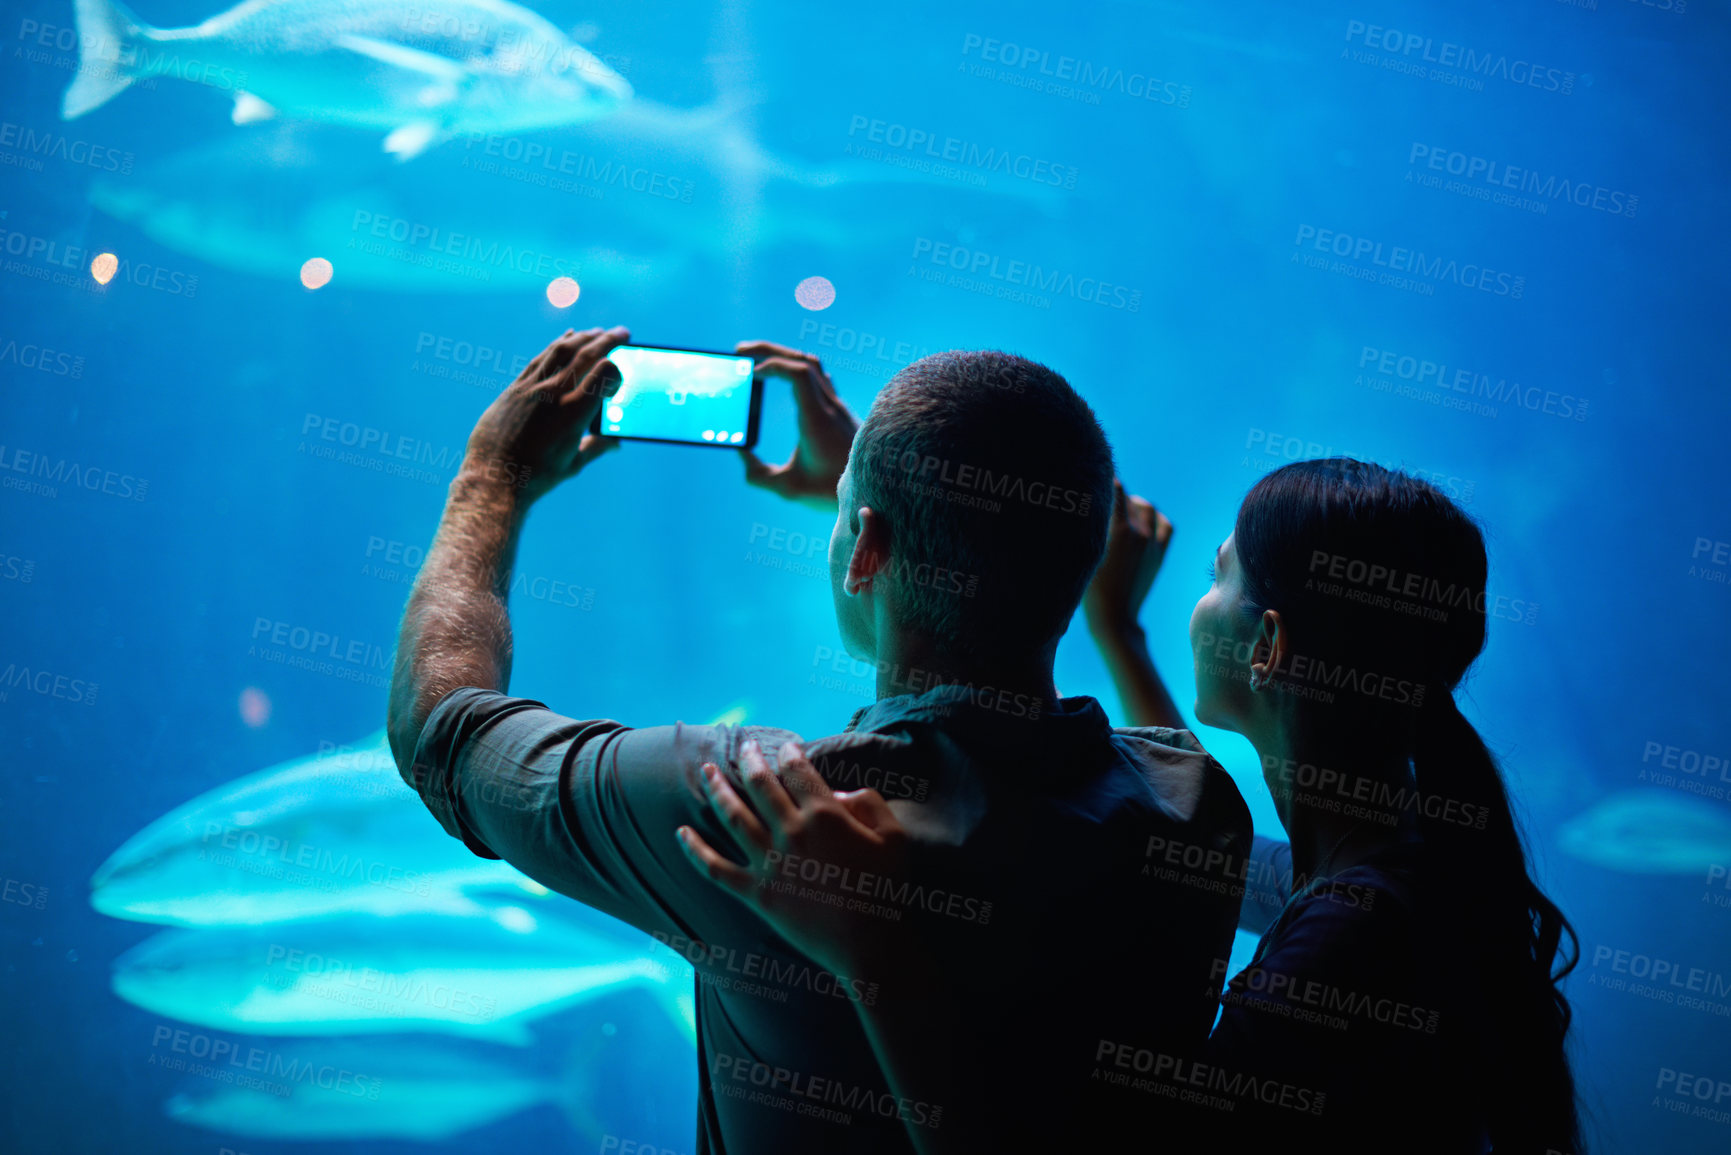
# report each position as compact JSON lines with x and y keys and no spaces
{"x":254,"y":707}
{"x":316,"y":273}
{"x":814,"y":293}
{"x":562,"y":292}
{"x":103,"y":267}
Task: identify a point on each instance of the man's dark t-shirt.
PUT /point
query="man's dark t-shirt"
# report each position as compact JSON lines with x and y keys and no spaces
{"x":1075,"y":883}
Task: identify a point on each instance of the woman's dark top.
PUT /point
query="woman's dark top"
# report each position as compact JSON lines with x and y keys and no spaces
{"x":1337,"y":1033}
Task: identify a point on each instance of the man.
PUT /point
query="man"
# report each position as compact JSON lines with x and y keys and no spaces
{"x":972,"y":507}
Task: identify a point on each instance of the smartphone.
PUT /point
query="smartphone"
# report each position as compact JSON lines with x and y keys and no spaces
{"x":687,"y":396}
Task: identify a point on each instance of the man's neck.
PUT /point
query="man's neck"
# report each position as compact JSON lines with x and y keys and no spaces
{"x":910,"y":665}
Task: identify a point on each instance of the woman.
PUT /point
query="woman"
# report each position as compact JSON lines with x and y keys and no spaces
{"x":1404,"y":994}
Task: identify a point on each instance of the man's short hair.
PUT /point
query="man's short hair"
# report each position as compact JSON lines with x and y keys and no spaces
{"x":995,"y":480}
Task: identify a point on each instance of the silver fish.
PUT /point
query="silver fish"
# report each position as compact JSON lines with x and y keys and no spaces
{"x":487,"y":976}
{"x":421,"y":73}
{"x":388,"y":1088}
{"x":1650,"y":831}
{"x":333,"y":833}
{"x":485,"y":215}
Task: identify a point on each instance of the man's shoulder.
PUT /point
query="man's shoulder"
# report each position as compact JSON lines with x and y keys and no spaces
{"x":722,"y":742}
{"x":1187,"y":782}
{"x":852,"y":760}
{"x":890,"y":763}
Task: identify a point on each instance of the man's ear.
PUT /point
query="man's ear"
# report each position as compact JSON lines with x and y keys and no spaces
{"x":871,"y":550}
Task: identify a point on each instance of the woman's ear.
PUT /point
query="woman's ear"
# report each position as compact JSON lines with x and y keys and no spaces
{"x":1270,"y":653}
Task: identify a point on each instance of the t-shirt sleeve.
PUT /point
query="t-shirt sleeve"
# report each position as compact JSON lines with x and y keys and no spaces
{"x":1267,"y":883}
{"x":1347,"y":945}
{"x":586,"y":808}
{"x":1331,"y":1021}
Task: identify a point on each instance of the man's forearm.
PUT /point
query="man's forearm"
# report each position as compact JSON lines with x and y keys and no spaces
{"x":456,"y":631}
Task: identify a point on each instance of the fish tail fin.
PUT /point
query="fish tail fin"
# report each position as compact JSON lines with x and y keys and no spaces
{"x":671,"y":989}
{"x":105,"y":32}
{"x":681,"y":1007}
{"x":573,"y":1090}
{"x":595,"y":1063}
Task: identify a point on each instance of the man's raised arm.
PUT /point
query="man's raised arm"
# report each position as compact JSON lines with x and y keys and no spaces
{"x":456,"y":631}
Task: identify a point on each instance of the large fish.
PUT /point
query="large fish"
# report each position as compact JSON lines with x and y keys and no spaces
{"x":400,"y":1088}
{"x":485,"y":976}
{"x":329,"y":834}
{"x":1650,"y":831}
{"x":614,"y":214}
{"x":421,"y":73}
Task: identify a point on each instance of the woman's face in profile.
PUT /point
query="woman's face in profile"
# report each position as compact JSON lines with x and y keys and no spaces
{"x":1221,"y":644}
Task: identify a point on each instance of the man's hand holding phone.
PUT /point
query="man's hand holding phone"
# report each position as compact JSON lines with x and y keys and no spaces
{"x":826,"y":428}
{"x":536,"y":430}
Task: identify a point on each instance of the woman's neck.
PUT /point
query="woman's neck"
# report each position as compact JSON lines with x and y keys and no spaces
{"x":1333,"y":794}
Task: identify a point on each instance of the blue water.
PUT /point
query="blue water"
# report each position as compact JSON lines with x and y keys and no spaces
{"x":1226,"y":209}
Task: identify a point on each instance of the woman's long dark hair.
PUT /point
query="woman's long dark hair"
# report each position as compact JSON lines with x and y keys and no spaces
{"x":1381,"y":571}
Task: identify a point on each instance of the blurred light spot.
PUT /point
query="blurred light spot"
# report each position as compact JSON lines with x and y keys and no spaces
{"x":615,"y":413}
{"x":562,"y":291}
{"x":103,"y":267}
{"x":709,"y":435}
{"x":737,"y":438}
{"x":515,"y":919}
{"x":254,"y":707}
{"x":814,"y":293}
{"x":316,"y":273}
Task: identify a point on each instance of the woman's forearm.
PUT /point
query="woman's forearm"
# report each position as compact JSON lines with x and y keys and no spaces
{"x":1141,"y":692}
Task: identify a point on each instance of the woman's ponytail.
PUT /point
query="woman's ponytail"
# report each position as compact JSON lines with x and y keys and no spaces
{"x":1505,"y":939}
{"x":1504,"y":942}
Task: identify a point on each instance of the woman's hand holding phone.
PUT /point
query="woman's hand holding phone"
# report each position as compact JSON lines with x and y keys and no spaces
{"x":826,"y":428}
